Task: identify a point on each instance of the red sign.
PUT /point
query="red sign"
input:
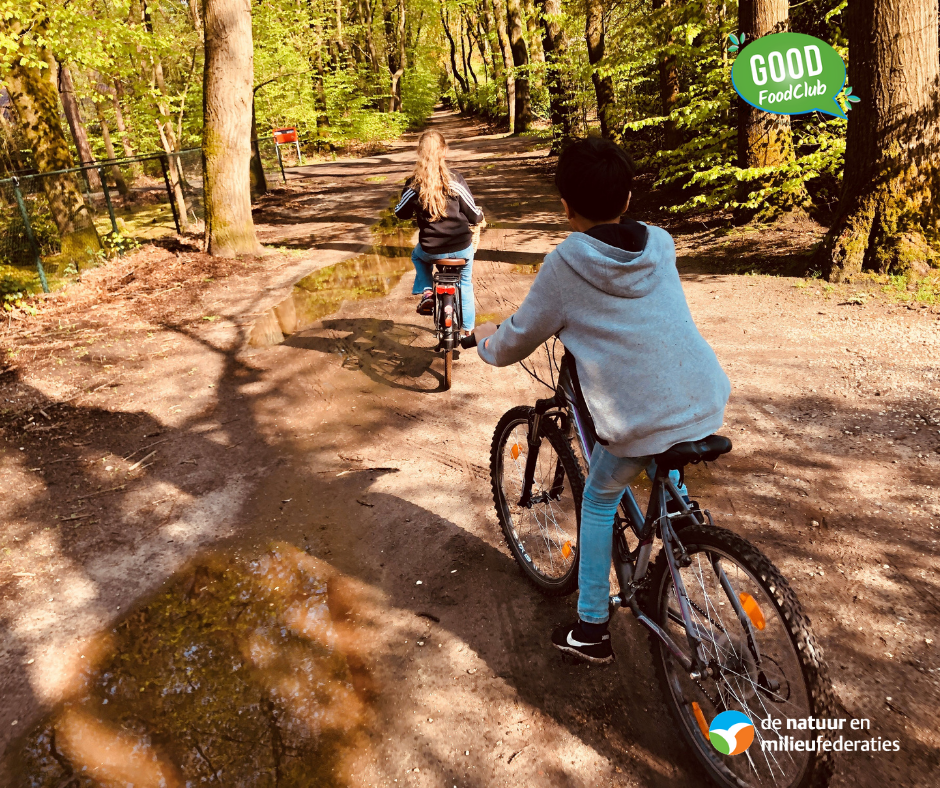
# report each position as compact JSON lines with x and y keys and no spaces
{"x":282,"y":136}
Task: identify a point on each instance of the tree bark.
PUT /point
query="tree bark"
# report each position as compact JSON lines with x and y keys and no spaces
{"x":395,"y":50}
{"x":520,"y":59}
{"x":764,"y":140}
{"x":115,"y":171}
{"x":668,"y":79}
{"x":259,"y":184}
{"x":460,"y":80}
{"x":505,"y":46}
{"x":560,"y":98}
{"x":77,"y":126}
{"x":892,"y":179}
{"x":366,"y":16}
{"x":124,"y":132}
{"x":536,"y":52}
{"x":226,"y":136}
{"x":34,"y":98}
{"x":594,"y":33}
{"x":165,"y":127}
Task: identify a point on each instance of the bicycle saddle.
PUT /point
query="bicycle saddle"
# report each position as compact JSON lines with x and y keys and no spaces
{"x":451,"y":262}
{"x":691,"y":452}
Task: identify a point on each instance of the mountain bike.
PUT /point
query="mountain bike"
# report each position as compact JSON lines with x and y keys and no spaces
{"x":448,"y":312}
{"x":726,"y":630}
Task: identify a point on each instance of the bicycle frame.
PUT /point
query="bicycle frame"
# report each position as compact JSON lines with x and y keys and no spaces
{"x":631,"y":566}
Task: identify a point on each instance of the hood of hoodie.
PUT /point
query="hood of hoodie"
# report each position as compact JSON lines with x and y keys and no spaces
{"x":617,"y":271}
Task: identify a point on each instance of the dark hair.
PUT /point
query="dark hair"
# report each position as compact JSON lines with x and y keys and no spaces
{"x":595,"y":177}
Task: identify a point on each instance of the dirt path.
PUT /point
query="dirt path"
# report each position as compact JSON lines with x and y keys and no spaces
{"x":331,"y":508}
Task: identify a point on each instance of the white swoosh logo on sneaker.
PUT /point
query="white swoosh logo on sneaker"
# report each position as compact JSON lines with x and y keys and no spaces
{"x":578,"y":643}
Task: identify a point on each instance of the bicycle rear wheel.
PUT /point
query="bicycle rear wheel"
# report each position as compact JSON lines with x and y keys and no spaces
{"x":543,"y":536}
{"x":789,"y":681}
{"x":448,"y":369}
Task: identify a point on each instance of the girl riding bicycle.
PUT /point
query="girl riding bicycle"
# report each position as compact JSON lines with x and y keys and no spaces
{"x":441,"y":203}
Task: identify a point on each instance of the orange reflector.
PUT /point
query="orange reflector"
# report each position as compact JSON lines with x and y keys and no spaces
{"x":514,"y":451}
{"x":448,"y":322}
{"x":700,"y":719}
{"x":753,"y":610}
{"x":566,"y":549}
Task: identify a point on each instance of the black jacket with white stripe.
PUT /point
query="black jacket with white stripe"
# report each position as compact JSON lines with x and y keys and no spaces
{"x":452,"y":232}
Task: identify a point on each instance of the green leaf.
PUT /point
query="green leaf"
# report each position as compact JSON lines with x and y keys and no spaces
{"x":732,"y":48}
{"x":733,"y":39}
{"x":854,"y":99}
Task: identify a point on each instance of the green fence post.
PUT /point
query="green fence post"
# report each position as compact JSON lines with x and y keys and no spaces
{"x":107,"y":199}
{"x":164,"y":164}
{"x":29,"y":234}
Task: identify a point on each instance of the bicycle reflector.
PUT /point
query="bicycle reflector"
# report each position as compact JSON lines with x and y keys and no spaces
{"x":566,"y":549}
{"x":514,"y":451}
{"x":448,"y":289}
{"x":700,"y":719}
{"x":753,"y":610}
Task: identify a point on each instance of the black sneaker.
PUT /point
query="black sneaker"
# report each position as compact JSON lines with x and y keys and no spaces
{"x":572,"y":639}
{"x":426,"y":305}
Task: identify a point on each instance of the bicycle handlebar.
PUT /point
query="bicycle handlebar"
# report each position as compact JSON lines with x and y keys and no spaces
{"x":470,"y":341}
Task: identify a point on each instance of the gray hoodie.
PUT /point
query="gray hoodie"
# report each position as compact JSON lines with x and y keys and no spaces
{"x":649,"y":378}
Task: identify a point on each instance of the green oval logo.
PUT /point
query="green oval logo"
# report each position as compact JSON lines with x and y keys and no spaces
{"x":789,"y":74}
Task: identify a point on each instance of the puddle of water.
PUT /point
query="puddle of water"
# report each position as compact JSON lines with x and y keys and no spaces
{"x":236,"y":674}
{"x":323,"y":292}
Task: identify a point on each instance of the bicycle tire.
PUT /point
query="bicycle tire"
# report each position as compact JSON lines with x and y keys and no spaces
{"x":448,"y":369}
{"x":566,"y":582}
{"x":794,"y":623}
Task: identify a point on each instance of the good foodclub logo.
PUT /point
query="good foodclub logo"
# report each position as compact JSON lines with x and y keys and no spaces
{"x":790,"y":74}
{"x":731,"y":732}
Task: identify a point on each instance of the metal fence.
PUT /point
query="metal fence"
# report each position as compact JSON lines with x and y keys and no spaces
{"x":131,"y":201}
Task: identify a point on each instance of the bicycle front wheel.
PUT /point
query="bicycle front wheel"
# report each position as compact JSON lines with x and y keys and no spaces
{"x":542,"y":535}
{"x":783,"y":678}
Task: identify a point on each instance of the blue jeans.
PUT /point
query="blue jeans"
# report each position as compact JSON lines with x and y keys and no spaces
{"x":423,"y":281}
{"x":606,"y":482}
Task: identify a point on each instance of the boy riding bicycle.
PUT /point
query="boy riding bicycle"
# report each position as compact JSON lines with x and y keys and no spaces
{"x":612,"y":294}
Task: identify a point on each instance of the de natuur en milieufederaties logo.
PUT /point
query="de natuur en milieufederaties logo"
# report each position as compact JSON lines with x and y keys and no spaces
{"x":731,"y":732}
{"x":790,"y":74}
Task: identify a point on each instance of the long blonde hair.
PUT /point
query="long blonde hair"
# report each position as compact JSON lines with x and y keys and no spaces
{"x":431,"y":178}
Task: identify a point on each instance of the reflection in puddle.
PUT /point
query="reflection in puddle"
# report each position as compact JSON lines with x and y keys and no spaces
{"x":236,"y":675}
{"x":322,"y":292}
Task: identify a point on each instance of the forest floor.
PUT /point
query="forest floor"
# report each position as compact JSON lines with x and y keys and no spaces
{"x":196,"y":520}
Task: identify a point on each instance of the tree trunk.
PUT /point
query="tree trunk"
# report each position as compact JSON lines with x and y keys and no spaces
{"x":395,"y":50}
{"x":79,"y":133}
{"x":34,"y":99}
{"x":520,"y":59}
{"x":505,"y":46}
{"x":259,"y":184}
{"x":365,"y":14}
{"x":226,"y":136}
{"x":603,"y":84}
{"x":9,"y":137}
{"x":165,"y":127}
{"x":462,"y":87}
{"x":560,"y":99}
{"x":115,"y":171}
{"x":892,"y":180}
{"x":764,"y":140}
{"x":668,"y":79}
{"x":135,"y":168}
{"x":536,"y":52}
{"x":466,"y":52}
